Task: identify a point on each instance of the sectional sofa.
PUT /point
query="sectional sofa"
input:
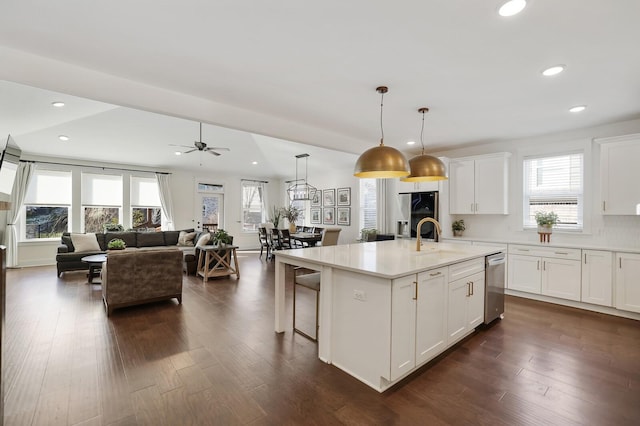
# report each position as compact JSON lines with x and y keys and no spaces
{"x":68,"y":259}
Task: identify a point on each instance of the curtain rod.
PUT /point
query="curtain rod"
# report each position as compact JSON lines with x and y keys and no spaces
{"x":95,"y":167}
{"x":254,"y":180}
{"x":293,"y":180}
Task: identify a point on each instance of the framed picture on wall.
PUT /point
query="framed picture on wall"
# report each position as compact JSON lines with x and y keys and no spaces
{"x":344,"y":216}
{"x":316,"y":217}
{"x":315,"y":200}
{"x":329,"y":197}
{"x":344,"y":196}
{"x":329,"y":216}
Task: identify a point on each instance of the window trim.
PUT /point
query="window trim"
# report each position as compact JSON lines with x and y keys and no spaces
{"x":551,"y":149}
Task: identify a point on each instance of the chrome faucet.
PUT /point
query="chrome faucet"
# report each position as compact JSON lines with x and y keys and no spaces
{"x":436,"y":225}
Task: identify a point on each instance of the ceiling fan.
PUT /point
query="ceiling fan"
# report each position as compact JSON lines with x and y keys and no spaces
{"x":201,"y":146}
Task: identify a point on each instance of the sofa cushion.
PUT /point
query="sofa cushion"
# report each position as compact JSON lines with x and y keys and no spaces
{"x":85,"y":242}
{"x":171,"y":237}
{"x":66,"y":240}
{"x":186,"y":238}
{"x":203,"y":239}
{"x":129,"y":238}
{"x":150,"y":239}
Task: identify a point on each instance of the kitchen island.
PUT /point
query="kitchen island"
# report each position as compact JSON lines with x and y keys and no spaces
{"x":385,"y":308}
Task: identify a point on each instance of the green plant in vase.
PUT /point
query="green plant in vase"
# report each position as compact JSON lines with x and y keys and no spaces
{"x":276,"y":214}
{"x":458,"y":227}
{"x":546,"y":220}
{"x":291,"y":213}
{"x":116,"y":244}
{"x":221,"y":236}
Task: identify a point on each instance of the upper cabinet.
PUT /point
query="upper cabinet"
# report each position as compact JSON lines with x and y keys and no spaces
{"x":620,"y":175}
{"x":479,"y":185}
{"x":403,"y":187}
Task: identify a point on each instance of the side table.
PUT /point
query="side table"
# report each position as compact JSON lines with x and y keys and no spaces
{"x":217,"y":261}
{"x":95,"y":264}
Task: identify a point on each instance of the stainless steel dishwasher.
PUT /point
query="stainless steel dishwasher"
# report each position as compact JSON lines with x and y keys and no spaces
{"x":494,"y":287}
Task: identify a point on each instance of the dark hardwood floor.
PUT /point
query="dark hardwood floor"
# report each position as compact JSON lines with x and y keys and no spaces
{"x":216,"y":360}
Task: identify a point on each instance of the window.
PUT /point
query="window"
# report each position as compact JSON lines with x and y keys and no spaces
{"x":101,"y":201}
{"x":145,"y":203}
{"x":47,"y":204}
{"x":253,"y":205}
{"x":368,"y":204}
{"x":554,"y":184}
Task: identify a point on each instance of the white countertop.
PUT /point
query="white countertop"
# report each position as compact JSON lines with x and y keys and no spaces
{"x":389,"y":259}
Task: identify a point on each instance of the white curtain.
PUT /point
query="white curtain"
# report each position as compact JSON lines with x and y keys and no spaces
{"x":381,"y":201}
{"x":165,"y":199}
{"x":19,"y":191}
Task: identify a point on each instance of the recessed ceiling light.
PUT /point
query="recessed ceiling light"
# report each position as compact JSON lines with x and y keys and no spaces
{"x":57,"y":104}
{"x":578,"y":108}
{"x":177,"y":153}
{"x":554,"y":70}
{"x":63,"y":137}
{"x":411,"y":143}
{"x":512,"y":7}
{"x":254,"y":162}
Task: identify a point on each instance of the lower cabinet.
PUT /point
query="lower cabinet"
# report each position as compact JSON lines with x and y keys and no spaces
{"x":597,"y":277}
{"x":466,"y":306}
{"x":419,"y":315}
{"x":545,"y":270}
{"x":627,"y":268}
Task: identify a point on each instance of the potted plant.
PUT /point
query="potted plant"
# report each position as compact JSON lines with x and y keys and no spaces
{"x":276,"y":213}
{"x":116,"y":244}
{"x":545,"y":221}
{"x":369,"y":234}
{"x":221,"y":236}
{"x":458,"y":227}
{"x":291,"y":213}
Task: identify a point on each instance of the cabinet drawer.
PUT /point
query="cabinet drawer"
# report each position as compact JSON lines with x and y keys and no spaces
{"x":553,"y":252}
{"x":463,"y":269}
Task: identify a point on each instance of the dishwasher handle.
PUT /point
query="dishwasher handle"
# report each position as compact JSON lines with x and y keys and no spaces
{"x":496,"y":261}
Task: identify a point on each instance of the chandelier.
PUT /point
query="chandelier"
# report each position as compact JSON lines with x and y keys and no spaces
{"x":300,"y":190}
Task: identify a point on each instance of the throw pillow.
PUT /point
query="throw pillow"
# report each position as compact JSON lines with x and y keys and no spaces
{"x":204,"y":239}
{"x":186,"y":238}
{"x":85,"y":242}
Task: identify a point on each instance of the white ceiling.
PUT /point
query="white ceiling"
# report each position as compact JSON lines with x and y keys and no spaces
{"x":307,"y":72}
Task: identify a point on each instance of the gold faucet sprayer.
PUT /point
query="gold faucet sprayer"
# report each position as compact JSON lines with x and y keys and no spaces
{"x":436,"y":225}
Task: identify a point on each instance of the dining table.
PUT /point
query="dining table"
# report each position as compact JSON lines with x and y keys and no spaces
{"x":310,"y":238}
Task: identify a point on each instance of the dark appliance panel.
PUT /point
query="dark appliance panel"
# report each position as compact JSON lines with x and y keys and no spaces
{"x":424,"y":204}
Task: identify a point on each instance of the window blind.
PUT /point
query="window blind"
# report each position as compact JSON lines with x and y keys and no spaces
{"x":101,"y":190}
{"x":368,"y":202}
{"x":144,"y":192}
{"x":48,"y":187}
{"x":554,"y":184}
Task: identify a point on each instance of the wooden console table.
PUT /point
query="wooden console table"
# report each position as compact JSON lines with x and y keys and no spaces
{"x":216,"y":261}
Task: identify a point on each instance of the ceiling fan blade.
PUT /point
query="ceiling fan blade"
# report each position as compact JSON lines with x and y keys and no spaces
{"x":210,"y":151}
{"x":191,"y":150}
{"x":218,"y":148}
{"x":182,"y":146}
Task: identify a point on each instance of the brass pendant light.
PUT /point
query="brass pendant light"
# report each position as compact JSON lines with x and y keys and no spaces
{"x":425,"y":167}
{"x":381,"y":161}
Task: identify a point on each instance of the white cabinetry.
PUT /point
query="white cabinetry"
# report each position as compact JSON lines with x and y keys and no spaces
{"x":479,"y":185}
{"x":627,"y":283}
{"x":597,"y":277}
{"x":466,"y":298}
{"x":620,"y":175}
{"x":417,"y":186}
{"x":418,"y":326}
{"x":545,"y":270}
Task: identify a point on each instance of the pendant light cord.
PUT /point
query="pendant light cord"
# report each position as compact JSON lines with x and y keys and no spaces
{"x":422,"y":133}
{"x":381,"y":128}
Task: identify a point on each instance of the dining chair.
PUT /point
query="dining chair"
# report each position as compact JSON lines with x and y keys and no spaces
{"x":285,"y":239}
{"x":317,"y":230}
{"x":264,"y":241}
{"x":330,"y":237}
{"x":307,"y":228}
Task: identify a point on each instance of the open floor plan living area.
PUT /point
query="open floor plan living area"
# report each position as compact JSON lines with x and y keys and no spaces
{"x":342,"y":213}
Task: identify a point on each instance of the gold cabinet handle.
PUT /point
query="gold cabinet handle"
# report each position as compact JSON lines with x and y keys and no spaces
{"x":415,"y":297}
{"x":435,"y":274}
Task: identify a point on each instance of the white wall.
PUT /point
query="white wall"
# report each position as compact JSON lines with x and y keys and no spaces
{"x":605,"y":231}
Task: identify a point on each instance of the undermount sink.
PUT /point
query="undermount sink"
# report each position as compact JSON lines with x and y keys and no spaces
{"x":435,"y":251}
